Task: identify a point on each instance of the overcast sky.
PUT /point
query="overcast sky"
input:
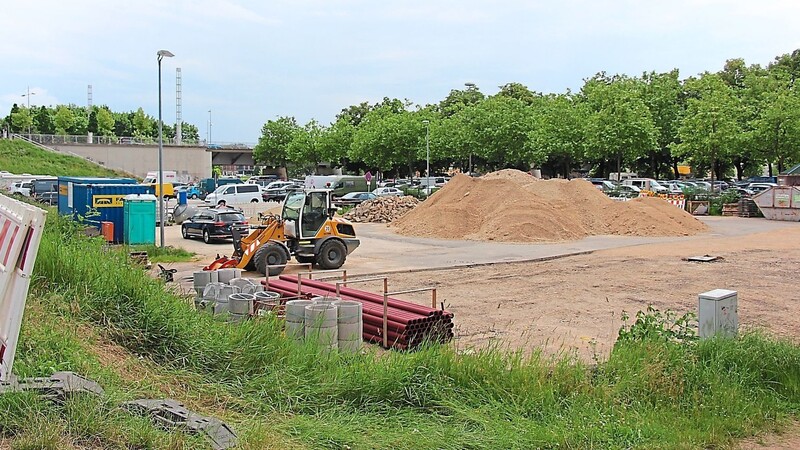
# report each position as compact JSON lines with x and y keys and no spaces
{"x":251,"y":61}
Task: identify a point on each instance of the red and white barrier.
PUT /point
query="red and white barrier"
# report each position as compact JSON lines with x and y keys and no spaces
{"x":21,"y":227}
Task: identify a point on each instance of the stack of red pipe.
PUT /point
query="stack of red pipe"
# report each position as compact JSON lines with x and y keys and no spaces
{"x":408,"y":324}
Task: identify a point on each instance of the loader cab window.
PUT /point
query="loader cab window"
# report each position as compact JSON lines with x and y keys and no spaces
{"x":314,"y":213}
{"x":292,"y":205}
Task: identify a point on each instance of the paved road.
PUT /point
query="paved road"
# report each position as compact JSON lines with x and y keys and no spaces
{"x":384,"y":251}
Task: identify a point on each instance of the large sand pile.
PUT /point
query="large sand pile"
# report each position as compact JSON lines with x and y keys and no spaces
{"x":512,"y":206}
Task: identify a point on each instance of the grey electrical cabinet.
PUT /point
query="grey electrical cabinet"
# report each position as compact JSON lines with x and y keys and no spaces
{"x":718,"y":313}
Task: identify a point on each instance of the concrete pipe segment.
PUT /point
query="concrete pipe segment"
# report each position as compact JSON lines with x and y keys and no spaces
{"x":241,"y":303}
{"x":296,"y":319}
{"x":350,"y":324}
{"x":245,"y":285}
{"x":202,"y":278}
{"x":226,"y":275}
{"x":321,"y":324}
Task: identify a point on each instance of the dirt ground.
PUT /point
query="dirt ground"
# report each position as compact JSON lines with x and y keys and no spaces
{"x":576,"y":301}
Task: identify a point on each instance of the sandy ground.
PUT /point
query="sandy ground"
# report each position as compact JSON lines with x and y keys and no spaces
{"x":575,"y":302}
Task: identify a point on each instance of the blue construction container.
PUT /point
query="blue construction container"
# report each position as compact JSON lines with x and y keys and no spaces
{"x":65,"y":188}
{"x":95,"y":203}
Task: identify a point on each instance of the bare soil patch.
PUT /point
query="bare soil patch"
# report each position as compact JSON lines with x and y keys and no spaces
{"x":576,"y":303}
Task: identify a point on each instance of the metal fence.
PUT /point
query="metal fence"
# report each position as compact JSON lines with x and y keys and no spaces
{"x":54,"y":139}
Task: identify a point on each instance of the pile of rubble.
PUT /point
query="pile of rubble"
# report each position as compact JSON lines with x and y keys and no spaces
{"x":382,"y":209}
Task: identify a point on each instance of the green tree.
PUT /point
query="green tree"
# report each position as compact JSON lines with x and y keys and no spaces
{"x":336,"y":140}
{"x":64,"y":119}
{"x":459,"y":99}
{"x":387,"y":138}
{"x":189,"y":132}
{"x":710,"y":129}
{"x":557,"y":135}
{"x":777,"y":125}
{"x":619,"y":125}
{"x":105,"y":121}
{"x":142,"y":124}
{"x":497,"y":129}
{"x":518,"y":91}
{"x":21,"y":120}
{"x":272,"y":146}
{"x":304,"y":149}
{"x":663,"y":95}
{"x":43,"y":120}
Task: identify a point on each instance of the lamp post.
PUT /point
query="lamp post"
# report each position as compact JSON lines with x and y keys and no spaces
{"x":427,"y":148}
{"x":161,"y":54}
{"x":469,"y":87}
{"x":208,"y":130}
{"x":28,"y":95}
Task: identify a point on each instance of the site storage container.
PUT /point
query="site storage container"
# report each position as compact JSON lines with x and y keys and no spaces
{"x":780,"y":203}
{"x":65,"y":190}
{"x":95,"y":203}
{"x":139,"y":219}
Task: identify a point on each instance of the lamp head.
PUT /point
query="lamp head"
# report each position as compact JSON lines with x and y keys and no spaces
{"x":164,"y":53}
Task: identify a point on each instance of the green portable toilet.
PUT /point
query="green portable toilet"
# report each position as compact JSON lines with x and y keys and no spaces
{"x":139,"y":220}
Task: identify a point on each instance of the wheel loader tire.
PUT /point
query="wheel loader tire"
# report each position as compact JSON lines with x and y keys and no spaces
{"x":332,"y":255}
{"x":305,"y":259}
{"x":270,"y":254}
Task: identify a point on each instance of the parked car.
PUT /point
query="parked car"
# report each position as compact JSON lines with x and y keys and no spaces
{"x":235,"y":194}
{"x":279,"y":194}
{"x":48,"y":198}
{"x":602,"y":184}
{"x":388,"y":192}
{"x":647,"y":184}
{"x":744,"y":192}
{"x":759,"y":187}
{"x":191,"y":191}
{"x":354,"y":198}
{"x":624,"y":190}
{"x":22,"y":188}
{"x":213,"y":224}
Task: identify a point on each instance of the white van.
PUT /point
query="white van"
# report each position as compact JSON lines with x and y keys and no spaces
{"x":646,"y":184}
{"x":234,"y":194}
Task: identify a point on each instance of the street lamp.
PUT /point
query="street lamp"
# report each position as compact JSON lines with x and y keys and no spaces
{"x":427,"y":149}
{"x":161,"y":54}
{"x":469,"y":87}
{"x":208,"y":130}
{"x":28,"y":95}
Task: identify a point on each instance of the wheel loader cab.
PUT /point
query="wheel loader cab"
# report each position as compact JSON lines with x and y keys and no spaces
{"x":305,"y":213}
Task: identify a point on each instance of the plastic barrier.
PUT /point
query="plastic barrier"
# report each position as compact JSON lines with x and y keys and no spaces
{"x":20,"y":233}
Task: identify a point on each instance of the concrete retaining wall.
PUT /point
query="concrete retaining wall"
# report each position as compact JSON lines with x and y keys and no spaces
{"x":189,"y":162}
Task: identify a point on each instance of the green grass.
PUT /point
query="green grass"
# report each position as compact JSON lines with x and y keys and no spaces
{"x":17,"y":156}
{"x":168,"y":254}
{"x":650,"y":393}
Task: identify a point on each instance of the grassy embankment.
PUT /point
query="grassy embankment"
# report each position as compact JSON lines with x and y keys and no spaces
{"x":92,"y":312}
{"x":18,"y":157}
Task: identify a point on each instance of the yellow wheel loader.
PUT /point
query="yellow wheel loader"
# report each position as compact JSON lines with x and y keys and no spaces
{"x":306,"y":230}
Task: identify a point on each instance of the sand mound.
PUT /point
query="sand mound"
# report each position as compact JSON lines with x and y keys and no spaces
{"x":512,"y":206}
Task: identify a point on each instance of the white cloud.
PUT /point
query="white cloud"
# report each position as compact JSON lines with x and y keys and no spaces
{"x":254,"y":60}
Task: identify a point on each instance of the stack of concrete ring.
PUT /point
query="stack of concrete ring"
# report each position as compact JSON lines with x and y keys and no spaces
{"x":225,"y":293}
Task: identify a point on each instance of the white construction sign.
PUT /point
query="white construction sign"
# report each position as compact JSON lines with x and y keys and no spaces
{"x":21,"y":227}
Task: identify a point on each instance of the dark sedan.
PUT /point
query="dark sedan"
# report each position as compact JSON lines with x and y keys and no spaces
{"x":278,"y":194}
{"x":213,"y":224}
{"x":354,"y":198}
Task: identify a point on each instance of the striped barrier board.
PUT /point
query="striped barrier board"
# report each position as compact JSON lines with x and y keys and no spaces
{"x":678,"y":200}
{"x":21,"y":227}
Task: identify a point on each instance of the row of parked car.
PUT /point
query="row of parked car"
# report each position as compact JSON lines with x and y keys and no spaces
{"x":44,"y":190}
{"x":633,"y":186}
